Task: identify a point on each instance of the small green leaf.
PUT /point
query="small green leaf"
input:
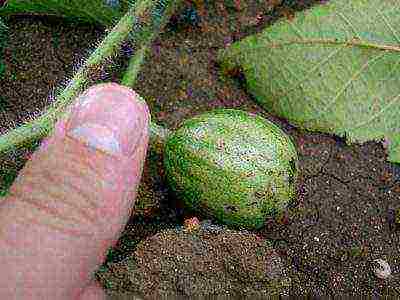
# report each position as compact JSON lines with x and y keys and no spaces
{"x":334,"y":68}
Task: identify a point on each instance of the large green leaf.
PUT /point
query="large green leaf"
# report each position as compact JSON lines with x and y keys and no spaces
{"x":334,"y":68}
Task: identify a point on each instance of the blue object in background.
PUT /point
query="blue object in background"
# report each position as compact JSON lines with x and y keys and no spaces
{"x":112,"y":3}
{"x":190,"y":16}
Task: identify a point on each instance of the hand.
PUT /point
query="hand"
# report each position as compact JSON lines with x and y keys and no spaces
{"x":72,"y":199}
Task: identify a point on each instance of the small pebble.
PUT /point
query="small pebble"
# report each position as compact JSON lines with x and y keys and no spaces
{"x":212,"y":228}
{"x":382,"y":270}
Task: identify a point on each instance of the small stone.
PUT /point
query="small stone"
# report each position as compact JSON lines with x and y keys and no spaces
{"x":382,"y":269}
{"x":211,"y":228}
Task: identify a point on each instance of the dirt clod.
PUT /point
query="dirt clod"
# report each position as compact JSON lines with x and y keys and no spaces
{"x":225,"y":262}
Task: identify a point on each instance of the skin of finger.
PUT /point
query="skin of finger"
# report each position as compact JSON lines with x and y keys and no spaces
{"x":32,"y":251}
{"x":31,"y":248}
{"x":93,"y":292}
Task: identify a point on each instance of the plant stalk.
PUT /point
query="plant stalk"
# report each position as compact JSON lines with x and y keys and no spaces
{"x":158,"y":134}
{"x":129,"y":26}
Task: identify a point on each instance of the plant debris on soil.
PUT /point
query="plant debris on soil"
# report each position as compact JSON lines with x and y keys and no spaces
{"x":346,"y":214}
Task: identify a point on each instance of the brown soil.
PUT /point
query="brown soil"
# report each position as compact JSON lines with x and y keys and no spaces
{"x":206,"y":261}
{"x":326,"y":243}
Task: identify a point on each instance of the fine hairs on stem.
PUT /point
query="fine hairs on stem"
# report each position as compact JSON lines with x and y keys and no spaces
{"x":43,"y":125}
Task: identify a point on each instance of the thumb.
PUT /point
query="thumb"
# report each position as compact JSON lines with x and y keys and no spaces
{"x":72,"y":199}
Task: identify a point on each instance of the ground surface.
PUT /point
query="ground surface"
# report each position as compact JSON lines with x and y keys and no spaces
{"x":326,"y":243}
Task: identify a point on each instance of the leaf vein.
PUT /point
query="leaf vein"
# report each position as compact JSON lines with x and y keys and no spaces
{"x":373,"y":117}
{"x":350,"y":81}
{"x":396,"y":36}
{"x":285,"y":92}
{"x":327,"y":41}
{"x":348,"y":23}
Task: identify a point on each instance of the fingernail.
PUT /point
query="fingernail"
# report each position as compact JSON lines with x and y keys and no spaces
{"x":110,"y":118}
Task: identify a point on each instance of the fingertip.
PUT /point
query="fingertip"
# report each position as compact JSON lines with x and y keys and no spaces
{"x":94,"y":291}
{"x":109,"y":117}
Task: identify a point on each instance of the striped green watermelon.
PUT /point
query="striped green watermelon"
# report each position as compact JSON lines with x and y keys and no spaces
{"x":236,"y":167}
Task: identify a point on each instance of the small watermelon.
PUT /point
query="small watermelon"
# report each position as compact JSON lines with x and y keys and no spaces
{"x":236,"y":167}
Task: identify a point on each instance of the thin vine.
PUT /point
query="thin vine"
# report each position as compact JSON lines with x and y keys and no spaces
{"x":133,"y":25}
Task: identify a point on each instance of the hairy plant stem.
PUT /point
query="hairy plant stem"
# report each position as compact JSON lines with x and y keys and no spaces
{"x":129,"y":27}
{"x":158,"y":134}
